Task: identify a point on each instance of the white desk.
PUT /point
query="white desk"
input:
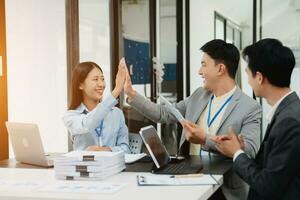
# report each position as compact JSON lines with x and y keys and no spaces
{"x":130,"y":192}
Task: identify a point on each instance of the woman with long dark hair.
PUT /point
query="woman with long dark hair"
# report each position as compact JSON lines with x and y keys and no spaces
{"x":95,"y":123}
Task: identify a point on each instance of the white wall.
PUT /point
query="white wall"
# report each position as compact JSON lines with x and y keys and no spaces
{"x":201,"y":31}
{"x":168,"y":40}
{"x":202,"y":27}
{"x":94,"y":34}
{"x":36,"y":64}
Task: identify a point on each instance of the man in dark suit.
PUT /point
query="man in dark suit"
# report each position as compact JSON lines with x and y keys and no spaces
{"x":275,"y":171}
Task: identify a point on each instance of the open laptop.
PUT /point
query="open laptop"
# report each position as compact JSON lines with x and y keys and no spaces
{"x":164,"y":164}
{"x":27,"y":144}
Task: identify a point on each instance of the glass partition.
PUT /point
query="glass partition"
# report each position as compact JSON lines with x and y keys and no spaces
{"x":280,"y":20}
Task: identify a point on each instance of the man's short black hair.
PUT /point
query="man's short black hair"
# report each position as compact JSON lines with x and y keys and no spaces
{"x":225,"y":53}
{"x":272,"y":60}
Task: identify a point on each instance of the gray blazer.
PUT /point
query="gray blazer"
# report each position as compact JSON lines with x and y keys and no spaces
{"x":243,"y":114}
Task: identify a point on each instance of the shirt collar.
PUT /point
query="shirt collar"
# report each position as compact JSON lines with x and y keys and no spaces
{"x":271,"y":113}
{"x":82,"y":109}
{"x":225,"y":96}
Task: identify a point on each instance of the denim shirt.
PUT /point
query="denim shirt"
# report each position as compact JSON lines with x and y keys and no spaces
{"x":104,"y":120}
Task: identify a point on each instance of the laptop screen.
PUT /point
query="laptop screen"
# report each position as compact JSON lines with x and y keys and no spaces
{"x":155,"y":147}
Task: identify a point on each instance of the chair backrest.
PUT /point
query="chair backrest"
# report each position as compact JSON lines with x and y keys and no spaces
{"x":135,"y":143}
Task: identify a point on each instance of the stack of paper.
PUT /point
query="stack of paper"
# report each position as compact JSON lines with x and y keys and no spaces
{"x":88,"y":165}
{"x":131,"y":158}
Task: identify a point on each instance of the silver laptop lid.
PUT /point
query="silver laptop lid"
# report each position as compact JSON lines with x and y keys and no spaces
{"x":27,"y":144}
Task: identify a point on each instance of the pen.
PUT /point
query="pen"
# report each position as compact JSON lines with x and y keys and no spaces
{"x":186,"y":176}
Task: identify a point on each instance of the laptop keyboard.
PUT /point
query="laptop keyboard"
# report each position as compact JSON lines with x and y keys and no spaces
{"x":178,"y":168}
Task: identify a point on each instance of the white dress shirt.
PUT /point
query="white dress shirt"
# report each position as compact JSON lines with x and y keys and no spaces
{"x":271,"y":113}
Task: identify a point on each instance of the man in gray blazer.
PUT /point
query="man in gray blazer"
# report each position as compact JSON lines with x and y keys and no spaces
{"x":211,"y":109}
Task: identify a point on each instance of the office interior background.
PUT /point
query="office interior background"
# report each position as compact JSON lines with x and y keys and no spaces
{"x":42,"y":40}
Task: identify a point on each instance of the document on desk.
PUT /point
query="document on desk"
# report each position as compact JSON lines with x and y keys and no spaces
{"x":61,"y":186}
{"x":172,"y":109}
{"x":167,"y":180}
{"x":83,"y":187}
{"x":19,"y":186}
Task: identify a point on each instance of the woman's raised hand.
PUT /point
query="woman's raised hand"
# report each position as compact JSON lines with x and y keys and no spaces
{"x":128,"y":89}
{"x":120,"y":78}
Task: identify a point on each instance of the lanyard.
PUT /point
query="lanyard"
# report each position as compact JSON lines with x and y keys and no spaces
{"x":210,"y":122}
{"x":98,"y":131}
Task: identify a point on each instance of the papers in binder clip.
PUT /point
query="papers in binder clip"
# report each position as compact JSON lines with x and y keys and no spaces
{"x":88,"y":165}
{"x":172,"y":109}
